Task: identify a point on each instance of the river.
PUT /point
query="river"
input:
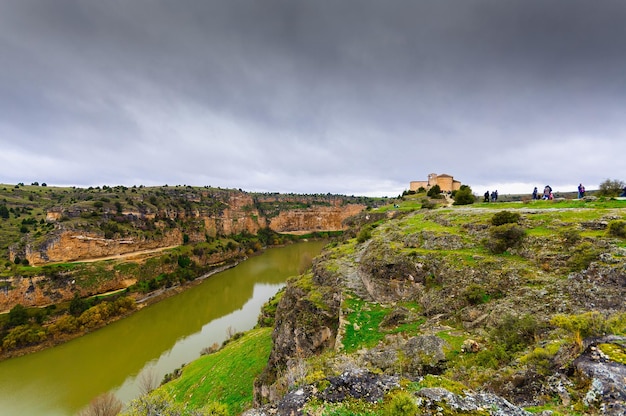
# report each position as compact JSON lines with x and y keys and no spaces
{"x":152,"y":342}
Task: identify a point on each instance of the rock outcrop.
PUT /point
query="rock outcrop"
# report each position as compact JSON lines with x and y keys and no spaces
{"x":92,"y":231}
{"x":485,"y":320}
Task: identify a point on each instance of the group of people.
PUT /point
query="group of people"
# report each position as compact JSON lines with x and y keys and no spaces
{"x":547,"y":193}
{"x":494,"y":196}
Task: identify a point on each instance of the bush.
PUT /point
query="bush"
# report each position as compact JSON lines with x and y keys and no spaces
{"x":464,"y":196}
{"x":66,"y":324}
{"x":505,"y":217}
{"x":570,"y":237}
{"x":364,"y":234}
{"x":617,"y":229}
{"x":401,"y":403}
{"x":104,"y":405}
{"x":582,"y":256}
{"x":475,"y":294}
{"x":78,"y":305}
{"x":588,"y":324}
{"x":427,"y":203}
{"x":24,"y":335}
{"x":611,"y":188}
{"x":515,"y":333}
{"x":18,"y":315}
{"x":434,"y":192}
{"x":503,"y":237}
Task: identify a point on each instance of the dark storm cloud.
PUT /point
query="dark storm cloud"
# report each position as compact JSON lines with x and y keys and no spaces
{"x":303,"y":96}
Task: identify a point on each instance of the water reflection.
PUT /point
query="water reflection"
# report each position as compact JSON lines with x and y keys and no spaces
{"x":158,"y":339}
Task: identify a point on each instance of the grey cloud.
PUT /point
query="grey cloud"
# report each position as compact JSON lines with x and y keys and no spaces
{"x":252,"y":94}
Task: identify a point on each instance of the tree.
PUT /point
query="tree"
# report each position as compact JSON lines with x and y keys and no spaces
{"x":611,"y":188}
{"x":18,"y":315}
{"x":104,"y":405}
{"x":4,"y":212}
{"x":464,"y":196}
{"x":78,"y":306}
{"x":434,"y":192}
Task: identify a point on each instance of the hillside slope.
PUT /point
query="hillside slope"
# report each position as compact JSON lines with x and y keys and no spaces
{"x":47,"y":224}
{"x":458,"y":311}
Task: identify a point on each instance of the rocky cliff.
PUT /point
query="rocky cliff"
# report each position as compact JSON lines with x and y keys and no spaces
{"x":452,"y":312}
{"x":87,"y":228}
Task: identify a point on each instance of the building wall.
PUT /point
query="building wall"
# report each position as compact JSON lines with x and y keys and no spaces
{"x":445,"y":182}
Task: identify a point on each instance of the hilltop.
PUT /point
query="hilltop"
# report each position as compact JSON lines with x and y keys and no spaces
{"x":491,"y":309}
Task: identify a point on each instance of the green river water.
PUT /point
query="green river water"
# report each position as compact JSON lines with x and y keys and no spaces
{"x":155,"y":341}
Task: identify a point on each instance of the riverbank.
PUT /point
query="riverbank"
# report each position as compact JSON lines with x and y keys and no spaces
{"x":60,"y":327}
{"x":155,"y":340}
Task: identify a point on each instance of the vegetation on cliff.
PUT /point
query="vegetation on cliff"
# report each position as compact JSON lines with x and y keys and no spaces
{"x":434,"y":312}
{"x":71,"y":254}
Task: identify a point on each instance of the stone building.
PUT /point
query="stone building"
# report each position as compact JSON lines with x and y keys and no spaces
{"x":445,"y":182}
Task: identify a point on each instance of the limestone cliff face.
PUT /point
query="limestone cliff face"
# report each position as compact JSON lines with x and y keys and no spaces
{"x":314,"y":219}
{"x":74,"y":246}
{"x":80,"y":233}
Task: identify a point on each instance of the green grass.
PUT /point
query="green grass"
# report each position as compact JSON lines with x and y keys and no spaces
{"x":364,"y":319}
{"x":431,"y":380}
{"x":226,"y":376}
{"x":362,"y":329}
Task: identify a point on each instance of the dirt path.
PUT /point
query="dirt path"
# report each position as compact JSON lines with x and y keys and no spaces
{"x":122,"y":256}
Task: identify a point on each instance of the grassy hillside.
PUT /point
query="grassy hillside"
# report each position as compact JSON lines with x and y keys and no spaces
{"x":218,"y":383}
{"x":467,"y":299}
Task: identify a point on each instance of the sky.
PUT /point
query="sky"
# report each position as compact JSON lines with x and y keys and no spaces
{"x":355,"y":97}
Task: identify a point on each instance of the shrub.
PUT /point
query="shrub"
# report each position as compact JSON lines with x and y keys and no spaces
{"x":401,"y":403}
{"x":18,"y":315}
{"x":66,"y":324}
{"x":617,"y":229}
{"x":589,"y":324}
{"x":610,"y":188}
{"x":503,"y":237}
{"x":427,"y":203}
{"x":23,"y":335}
{"x":434,"y":192}
{"x":582,"y":256}
{"x":184,"y":261}
{"x":104,"y":405}
{"x":364,"y":234}
{"x":78,"y":305}
{"x":505,"y":217}
{"x":492,"y":357}
{"x":475,"y":294}
{"x":464,"y":196}
{"x":570,"y":237}
{"x":515,"y":333}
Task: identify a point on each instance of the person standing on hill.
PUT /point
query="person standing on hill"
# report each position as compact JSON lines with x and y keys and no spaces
{"x":581,"y":191}
{"x":535,"y":194}
{"x":547,"y":192}
{"x":486,"y":196}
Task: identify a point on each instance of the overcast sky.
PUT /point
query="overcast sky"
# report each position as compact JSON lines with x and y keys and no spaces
{"x":341,"y":96}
